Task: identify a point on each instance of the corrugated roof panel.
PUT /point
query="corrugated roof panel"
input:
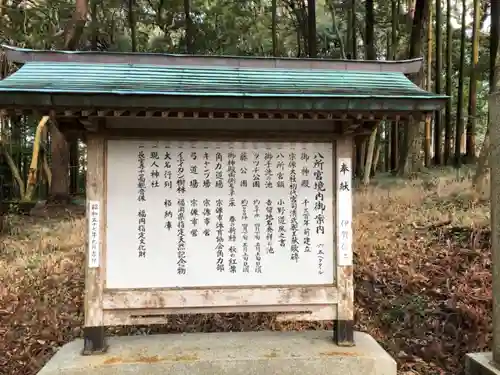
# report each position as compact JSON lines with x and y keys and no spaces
{"x":141,"y":79}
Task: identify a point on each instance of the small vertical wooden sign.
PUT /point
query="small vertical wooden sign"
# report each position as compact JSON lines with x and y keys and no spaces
{"x":344,"y":211}
{"x":94,"y":234}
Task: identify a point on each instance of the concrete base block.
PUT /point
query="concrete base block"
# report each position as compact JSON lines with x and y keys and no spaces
{"x":480,"y":364}
{"x":234,"y":353}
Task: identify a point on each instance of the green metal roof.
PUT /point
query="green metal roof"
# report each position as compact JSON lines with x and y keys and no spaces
{"x":54,"y":83}
{"x":170,"y":80}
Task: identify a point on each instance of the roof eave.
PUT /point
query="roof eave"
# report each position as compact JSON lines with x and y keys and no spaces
{"x":48,"y":101}
{"x":23,"y":55}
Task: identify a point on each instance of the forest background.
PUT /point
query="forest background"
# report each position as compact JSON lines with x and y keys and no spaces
{"x":458,"y":40}
{"x":423,"y":282}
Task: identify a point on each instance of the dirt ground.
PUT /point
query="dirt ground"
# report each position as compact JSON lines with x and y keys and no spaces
{"x":422,"y":279}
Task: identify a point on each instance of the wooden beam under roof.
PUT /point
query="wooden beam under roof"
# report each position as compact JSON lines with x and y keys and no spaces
{"x":24,"y":55}
{"x":355,"y":118}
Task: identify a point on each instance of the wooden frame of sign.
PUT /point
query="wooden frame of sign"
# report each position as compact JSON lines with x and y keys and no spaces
{"x":105,"y":306}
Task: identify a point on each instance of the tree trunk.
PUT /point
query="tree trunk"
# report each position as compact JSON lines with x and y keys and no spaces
{"x":494,"y":44}
{"x":405,"y":133}
{"x":387,"y":124}
{"x":361,"y":143}
{"x":348,"y":39}
{"x":60,"y":165}
{"x":471,"y":118}
{"x":34,"y":169}
{"x":311,"y":21}
{"x":395,"y":141}
{"x":370,"y":31}
{"x":410,"y":16}
{"x":335,"y":26}
{"x":354,"y":48}
{"x":481,"y":168}
{"x":189,"y":26}
{"x":132,"y":25}
{"x":378,"y":164}
{"x":302,"y":28}
{"x":59,"y":146}
{"x":438,"y":126}
{"x":14,"y":169}
{"x":369,"y":156}
{"x":411,"y":142}
{"x":448,"y":130}
{"x":370,"y":55}
{"x":460,"y":92}
{"x":387,"y":146}
{"x":428,"y":121}
{"x":482,"y":163}
{"x":74,"y":163}
{"x":274,"y":9}
{"x":394,"y":152}
{"x":74,"y":29}
{"x":94,"y":25}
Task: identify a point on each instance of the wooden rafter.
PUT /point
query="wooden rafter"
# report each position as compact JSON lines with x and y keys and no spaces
{"x":358,"y":117}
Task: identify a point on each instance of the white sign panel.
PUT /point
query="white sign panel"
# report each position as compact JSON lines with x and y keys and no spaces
{"x":94,"y":218}
{"x":344,"y":213}
{"x":200,"y":214}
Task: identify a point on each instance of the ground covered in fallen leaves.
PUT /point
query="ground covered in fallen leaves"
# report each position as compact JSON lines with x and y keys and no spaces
{"x":423,"y":280}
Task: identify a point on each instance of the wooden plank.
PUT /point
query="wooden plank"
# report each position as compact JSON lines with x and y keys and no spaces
{"x":162,"y":316}
{"x":94,"y":277}
{"x":223,"y":297}
{"x":316,"y":314}
{"x":92,"y":102}
{"x":220,"y":135}
{"x":345,"y":307}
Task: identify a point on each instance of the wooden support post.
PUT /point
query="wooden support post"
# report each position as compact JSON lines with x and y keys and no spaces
{"x":494,"y":160}
{"x":93,"y":332}
{"x":344,"y":325}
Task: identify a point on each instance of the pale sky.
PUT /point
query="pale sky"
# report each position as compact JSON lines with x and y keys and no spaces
{"x":457,"y":23}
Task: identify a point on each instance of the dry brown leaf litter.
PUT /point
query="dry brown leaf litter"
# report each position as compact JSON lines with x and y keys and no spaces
{"x":423,"y":287}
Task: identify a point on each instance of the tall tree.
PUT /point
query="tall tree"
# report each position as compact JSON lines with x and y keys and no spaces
{"x":74,"y":29}
{"x":370,"y":31}
{"x":411,"y":144}
{"x":188,"y":26}
{"x":395,"y":5}
{"x":353,"y":26}
{"x":472,"y":110}
{"x":60,"y":149}
{"x":448,"y":130}
{"x":493,"y":87}
{"x":132,"y":24}
{"x":336,"y":29}
{"x":311,"y":18}
{"x":94,"y":25}
{"x":460,"y":93}
{"x":387,"y":124}
{"x":438,"y":130}
{"x":370,"y":55}
{"x":494,"y":45}
{"x":274,"y":33}
{"x":428,"y":120}
{"x":348,"y":39}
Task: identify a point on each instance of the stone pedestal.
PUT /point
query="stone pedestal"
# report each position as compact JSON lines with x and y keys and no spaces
{"x":235,"y":353}
{"x":480,"y":364}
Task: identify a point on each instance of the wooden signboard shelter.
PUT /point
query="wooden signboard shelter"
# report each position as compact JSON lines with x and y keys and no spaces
{"x":215,"y":184}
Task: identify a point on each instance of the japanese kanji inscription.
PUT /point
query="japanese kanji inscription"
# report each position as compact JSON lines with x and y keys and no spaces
{"x":219,"y":214}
